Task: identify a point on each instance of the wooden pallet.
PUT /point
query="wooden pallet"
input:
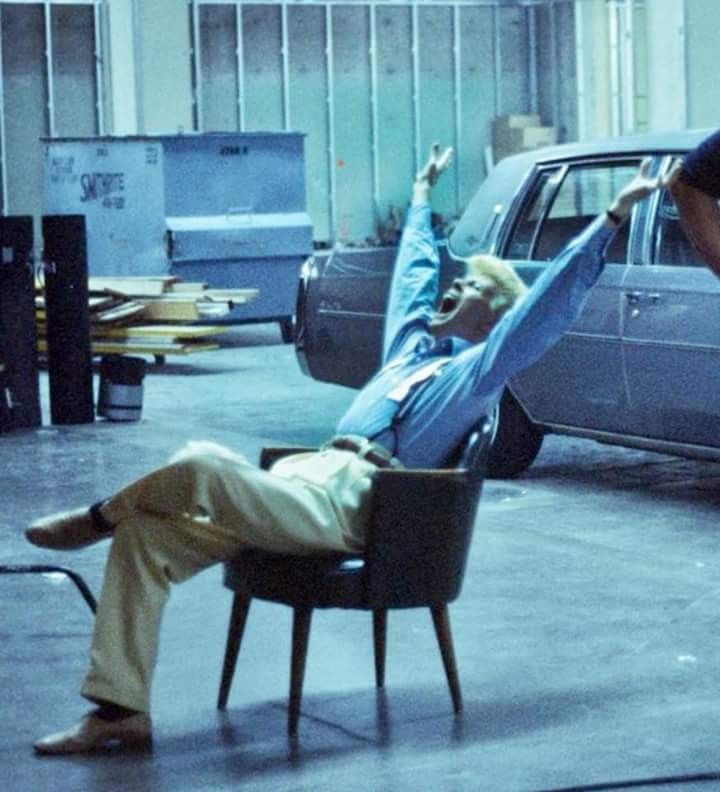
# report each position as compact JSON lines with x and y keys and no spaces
{"x":152,"y":315}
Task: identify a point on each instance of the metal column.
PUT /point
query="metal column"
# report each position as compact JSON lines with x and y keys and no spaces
{"x":374,"y":123}
{"x":197,"y":68}
{"x":49,"y":69}
{"x":285,"y":66}
{"x":332,"y":193}
{"x":240,"y":66}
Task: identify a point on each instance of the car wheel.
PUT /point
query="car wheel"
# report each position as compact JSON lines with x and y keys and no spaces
{"x":516,"y":440}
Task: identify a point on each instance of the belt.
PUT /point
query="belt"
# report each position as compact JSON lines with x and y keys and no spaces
{"x":375,"y":453}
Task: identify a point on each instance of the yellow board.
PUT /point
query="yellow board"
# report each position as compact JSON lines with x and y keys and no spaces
{"x":187,"y":332}
{"x":142,"y":347}
{"x":132,"y":286}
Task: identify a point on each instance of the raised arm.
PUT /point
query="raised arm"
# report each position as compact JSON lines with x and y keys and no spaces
{"x":538,"y":320}
{"x":639,"y":187}
{"x":413,"y":290}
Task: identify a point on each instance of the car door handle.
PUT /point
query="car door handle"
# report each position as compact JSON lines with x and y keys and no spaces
{"x":633,"y":298}
{"x":653,"y":299}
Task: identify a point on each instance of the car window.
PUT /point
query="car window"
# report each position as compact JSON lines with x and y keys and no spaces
{"x":672,"y":248}
{"x":562,"y":203}
{"x":523,"y":234}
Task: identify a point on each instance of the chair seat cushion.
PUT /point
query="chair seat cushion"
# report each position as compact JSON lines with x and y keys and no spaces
{"x":332,"y":580}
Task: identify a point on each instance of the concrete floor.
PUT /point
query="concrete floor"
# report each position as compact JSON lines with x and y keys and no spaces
{"x":586,"y":634}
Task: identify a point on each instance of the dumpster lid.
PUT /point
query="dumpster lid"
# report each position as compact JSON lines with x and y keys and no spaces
{"x":239,"y":236}
{"x":237,"y":219}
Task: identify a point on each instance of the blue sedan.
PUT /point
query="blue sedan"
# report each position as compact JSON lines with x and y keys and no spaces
{"x":640,"y":367}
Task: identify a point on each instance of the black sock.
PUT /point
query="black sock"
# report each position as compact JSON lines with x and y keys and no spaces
{"x":100,"y":523}
{"x":109,"y":711}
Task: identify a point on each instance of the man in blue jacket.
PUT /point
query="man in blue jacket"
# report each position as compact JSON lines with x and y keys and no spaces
{"x":444,"y":367}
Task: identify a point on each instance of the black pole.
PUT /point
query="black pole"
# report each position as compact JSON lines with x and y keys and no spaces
{"x":19,"y":387}
{"x":68,"y":319}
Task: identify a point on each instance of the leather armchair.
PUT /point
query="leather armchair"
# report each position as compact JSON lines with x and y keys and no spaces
{"x":416,"y":551}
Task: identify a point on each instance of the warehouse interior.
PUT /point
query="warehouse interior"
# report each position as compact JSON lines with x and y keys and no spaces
{"x":371,"y":84}
{"x":577,"y":671}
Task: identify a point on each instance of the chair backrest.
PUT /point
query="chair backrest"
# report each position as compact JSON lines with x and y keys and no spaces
{"x":473,"y":452}
{"x":420,"y":528}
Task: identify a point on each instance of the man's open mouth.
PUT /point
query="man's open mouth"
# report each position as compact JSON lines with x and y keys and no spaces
{"x":448,"y":303}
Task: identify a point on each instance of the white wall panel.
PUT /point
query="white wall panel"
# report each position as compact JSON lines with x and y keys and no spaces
{"x":611,"y":42}
{"x":666,"y":68}
{"x":591,"y":45}
{"x":644,"y":69}
{"x":514,"y":95}
{"x":26,"y":112}
{"x":478,"y":92}
{"x":436,"y":93}
{"x":119,"y":64}
{"x":352,"y":123}
{"x":546,"y":54}
{"x":165,"y":66}
{"x":307,"y":96}
{"x":261,"y":28}
{"x":218,"y":67}
{"x":73,"y":70}
{"x":702,"y":23}
{"x":565,"y":72}
{"x":395,"y":115}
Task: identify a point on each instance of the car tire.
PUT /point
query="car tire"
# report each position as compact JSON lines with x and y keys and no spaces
{"x":516,"y":440}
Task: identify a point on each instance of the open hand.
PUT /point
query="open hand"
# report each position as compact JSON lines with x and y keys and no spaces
{"x":437,"y":163}
{"x":670,"y":179}
{"x":635,"y":190}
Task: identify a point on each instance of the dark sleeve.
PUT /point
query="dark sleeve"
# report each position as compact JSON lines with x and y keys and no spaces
{"x":701,"y":166}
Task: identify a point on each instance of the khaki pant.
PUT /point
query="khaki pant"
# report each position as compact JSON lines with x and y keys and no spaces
{"x":202,"y":508}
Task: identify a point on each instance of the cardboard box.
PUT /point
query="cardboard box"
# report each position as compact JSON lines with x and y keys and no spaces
{"x":515,"y":133}
{"x":516,"y":121}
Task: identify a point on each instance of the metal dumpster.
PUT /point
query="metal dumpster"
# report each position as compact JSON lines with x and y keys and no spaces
{"x":227,"y":209}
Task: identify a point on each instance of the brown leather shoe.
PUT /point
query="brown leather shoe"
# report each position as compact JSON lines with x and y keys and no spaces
{"x":95,"y":734}
{"x":69,"y":530}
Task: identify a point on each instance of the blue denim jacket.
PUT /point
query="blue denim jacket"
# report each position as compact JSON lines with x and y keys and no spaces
{"x":429,"y":394}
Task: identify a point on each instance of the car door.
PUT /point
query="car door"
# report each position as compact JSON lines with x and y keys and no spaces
{"x":580,"y":381}
{"x":671,"y":337}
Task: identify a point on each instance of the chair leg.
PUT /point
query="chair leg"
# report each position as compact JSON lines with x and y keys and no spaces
{"x":300,"y":636}
{"x":238,"y":617}
{"x":441,"y":620}
{"x":379,"y":639}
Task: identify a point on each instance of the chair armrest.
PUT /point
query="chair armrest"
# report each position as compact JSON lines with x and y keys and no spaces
{"x":419,"y":534}
{"x":270,"y":455}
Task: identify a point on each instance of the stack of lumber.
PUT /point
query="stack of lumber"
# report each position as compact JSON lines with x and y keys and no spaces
{"x":152,"y":315}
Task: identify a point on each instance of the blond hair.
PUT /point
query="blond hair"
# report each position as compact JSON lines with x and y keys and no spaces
{"x":508,"y":285}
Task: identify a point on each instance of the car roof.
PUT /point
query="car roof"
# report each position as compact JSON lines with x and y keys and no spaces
{"x":475,"y":229}
{"x":660,"y":142}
